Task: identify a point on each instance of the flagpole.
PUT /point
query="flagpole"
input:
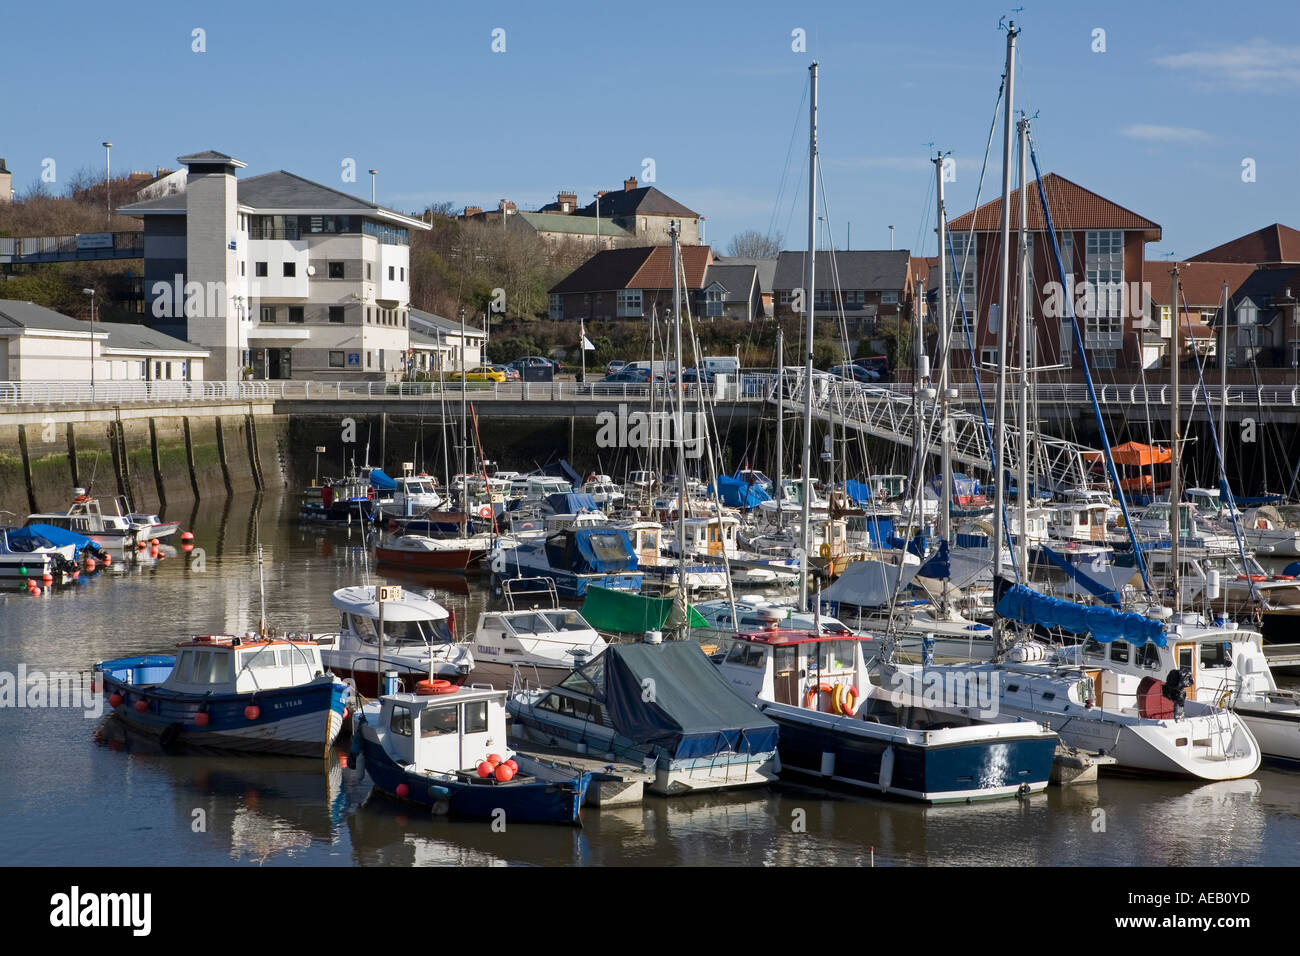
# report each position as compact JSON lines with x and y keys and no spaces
{"x":582,"y":346}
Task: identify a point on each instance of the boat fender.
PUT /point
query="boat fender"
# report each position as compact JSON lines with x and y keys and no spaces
{"x":170,"y":734}
{"x":813,"y":691}
{"x":438,"y":792}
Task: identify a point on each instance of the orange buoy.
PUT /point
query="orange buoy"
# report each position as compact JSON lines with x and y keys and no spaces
{"x":485,"y":769}
{"x":514,"y":767}
{"x":47,"y":578}
{"x":90,"y":564}
{"x":252,"y":712}
{"x":187,"y":547}
{"x":346,"y":712}
{"x":504,"y":774}
{"x":202,"y":718}
{"x":187,"y":535}
{"x":115,"y":700}
{"x":108,"y":559}
{"x":403,"y":790}
{"x":343,"y":761}
{"x":494,"y":759}
{"x":141,"y":706}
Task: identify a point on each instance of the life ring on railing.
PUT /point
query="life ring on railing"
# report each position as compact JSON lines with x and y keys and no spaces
{"x":1252,"y":577}
{"x":1261,"y":524}
{"x":1284,"y":577}
{"x":844,"y":699}
{"x":485,"y":512}
{"x":813,"y":691}
{"x":825,"y":551}
{"x":592,"y":477}
{"x":526,"y":526}
{"x":427,"y":688}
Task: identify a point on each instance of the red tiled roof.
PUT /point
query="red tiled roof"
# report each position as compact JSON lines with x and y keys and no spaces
{"x":1202,"y":282}
{"x":1072,"y":208}
{"x":640,"y":267}
{"x":1275,"y":243}
{"x":918,"y":268}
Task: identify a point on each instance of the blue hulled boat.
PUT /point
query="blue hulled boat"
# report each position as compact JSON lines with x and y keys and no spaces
{"x":574,"y":558}
{"x":432,"y":748}
{"x":257,"y":695}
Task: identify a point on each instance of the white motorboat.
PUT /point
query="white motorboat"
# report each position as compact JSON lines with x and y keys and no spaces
{"x":533,"y":637}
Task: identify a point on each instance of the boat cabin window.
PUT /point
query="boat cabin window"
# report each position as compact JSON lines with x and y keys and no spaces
{"x":476,"y":717}
{"x":1093,"y":648}
{"x":529,"y":623}
{"x":262,"y":657}
{"x":1185,"y":658}
{"x":571,"y":707}
{"x":833,"y":656}
{"x":436,"y":721}
{"x":1215,"y":654}
{"x":563,"y":620}
{"x":743,"y":652}
{"x":1119,"y":652}
{"x":401,"y":722}
{"x":585,"y":680}
{"x":785,"y":660}
{"x":1149,"y":656}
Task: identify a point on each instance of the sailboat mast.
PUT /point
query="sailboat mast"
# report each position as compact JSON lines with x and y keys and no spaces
{"x":679,"y":432}
{"x":1223,"y":379}
{"x":1175,"y":492}
{"x":809,"y":286}
{"x":999,"y":404}
{"x":780,"y":423}
{"x":945,"y":438}
{"x":1022,"y":338}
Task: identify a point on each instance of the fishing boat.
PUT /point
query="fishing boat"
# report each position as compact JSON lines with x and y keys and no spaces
{"x":418,"y":552}
{"x":408,"y":495}
{"x":255,"y":694}
{"x":419,"y":640}
{"x":663,"y":572}
{"x":835,"y":727}
{"x":533,"y":636}
{"x":660,"y":704}
{"x":445,"y":748}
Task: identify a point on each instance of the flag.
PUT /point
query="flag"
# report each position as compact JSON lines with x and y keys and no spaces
{"x":586,"y":342}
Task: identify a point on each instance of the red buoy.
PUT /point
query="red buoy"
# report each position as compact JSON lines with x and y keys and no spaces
{"x":504,"y":773}
{"x":485,"y":769}
{"x":108,"y":559}
{"x":346,"y":712}
{"x":252,"y":712}
{"x":514,"y":767}
{"x":494,"y":759}
{"x":402,"y":790}
{"x":141,"y":706}
{"x":343,"y":761}
{"x":187,"y":548}
{"x":202,"y":718}
{"x":90,"y":564}
{"x":47,"y":578}
{"x":115,"y":699}
{"x":187,"y":536}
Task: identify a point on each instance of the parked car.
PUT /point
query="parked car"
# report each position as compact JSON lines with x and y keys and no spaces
{"x":511,"y":374}
{"x":534,"y":368}
{"x":691,"y":376}
{"x":614,"y":366}
{"x":878,"y":364}
{"x":618,"y":382}
{"x":483,"y":373}
{"x":857,"y":373}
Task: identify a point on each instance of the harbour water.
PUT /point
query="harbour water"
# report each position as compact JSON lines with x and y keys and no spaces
{"x":68,"y":798}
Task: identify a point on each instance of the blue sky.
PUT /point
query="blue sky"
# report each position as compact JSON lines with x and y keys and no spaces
{"x":585,"y":92}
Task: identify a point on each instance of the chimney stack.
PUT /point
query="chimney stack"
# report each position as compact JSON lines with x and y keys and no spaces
{"x":629,"y":184}
{"x":506,"y":206}
{"x":473,"y":211}
{"x":567,"y":201}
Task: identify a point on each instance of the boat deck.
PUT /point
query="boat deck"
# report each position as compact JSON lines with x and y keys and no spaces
{"x":613,"y":784}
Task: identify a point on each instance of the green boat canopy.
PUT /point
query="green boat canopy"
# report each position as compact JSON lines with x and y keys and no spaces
{"x":627,"y":613}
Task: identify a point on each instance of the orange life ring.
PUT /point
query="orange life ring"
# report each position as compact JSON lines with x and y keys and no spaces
{"x":1284,"y":577}
{"x":813,"y":691}
{"x":485,"y":512}
{"x":1261,"y":524}
{"x":848,"y":700}
{"x":427,"y":688}
{"x":1252,"y":577}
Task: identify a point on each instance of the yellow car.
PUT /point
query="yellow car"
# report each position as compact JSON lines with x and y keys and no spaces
{"x":484,"y":373}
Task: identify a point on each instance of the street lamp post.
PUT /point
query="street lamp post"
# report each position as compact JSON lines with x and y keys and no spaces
{"x":891,"y":237}
{"x":108,"y":178}
{"x":91,"y":293}
{"x":373,"y":174}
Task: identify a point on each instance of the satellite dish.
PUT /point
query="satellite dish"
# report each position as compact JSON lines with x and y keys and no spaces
{"x":311,"y":270}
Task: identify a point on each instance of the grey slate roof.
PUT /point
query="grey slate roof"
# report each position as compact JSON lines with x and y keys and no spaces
{"x":434,"y":321}
{"x":1267,"y":289}
{"x":766,"y":268}
{"x":16,"y":314}
{"x":576,"y":225}
{"x":738,"y":280}
{"x":869,"y":270}
{"x":645,"y":201}
{"x":208,"y":156}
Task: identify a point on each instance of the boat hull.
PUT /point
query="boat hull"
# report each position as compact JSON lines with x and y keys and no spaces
{"x":302,"y":721}
{"x":521,"y":800}
{"x":448,"y":560}
{"x":856,"y":754}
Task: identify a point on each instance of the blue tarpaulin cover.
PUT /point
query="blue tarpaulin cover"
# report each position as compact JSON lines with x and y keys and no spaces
{"x":693,"y":712}
{"x":858,"y":493}
{"x":1102,"y":624}
{"x":380,"y":481}
{"x":737,"y":493}
{"x":571,"y":504}
{"x":23,"y":539}
{"x":1095,"y":588}
{"x":937,"y":565}
{"x":560,"y":469}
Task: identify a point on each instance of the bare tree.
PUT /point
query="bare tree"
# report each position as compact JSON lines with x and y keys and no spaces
{"x":752,"y":244}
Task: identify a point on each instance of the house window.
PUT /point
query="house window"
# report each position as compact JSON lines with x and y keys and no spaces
{"x":1104,"y":274}
{"x":241,"y":267}
{"x":858,"y":298}
{"x":989,"y":357}
{"x":1102,"y":358}
{"x":961,"y":273}
{"x":370,"y":361}
{"x":629,"y":303}
{"x":290,"y":270}
{"x":368,"y":272}
{"x":259,"y":268}
{"x":787,"y":296}
{"x":391,"y":273}
{"x":1067,"y":344}
{"x":368,"y":318}
{"x":403,"y":273}
{"x":336,"y":270}
{"x":336,"y":359}
{"x":1103,"y":332}
{"x":889,"y":298}
{"x":556,"y":306}
{"x":268,"y":314}
{"x":296,"y":314}
{"x":336,"y":314}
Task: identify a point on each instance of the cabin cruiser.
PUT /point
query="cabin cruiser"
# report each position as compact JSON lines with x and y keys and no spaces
{"x":724,"y":619}
{"x":1195,"y":530}
{"x":420,"y":553}
{"x":604,"y":492}
{"x":660,"y":704}
{"x":1218,"y":578}
{"x":419,"y":640}
{"x":533,"y":636}
{"x":1084,"y":702}
{"x":86,"y":516}
{"x":444,"y":747}
{"x":1266,"y":531}
{"x":150,"y":527}
{"x":411,"y":495}
{"x":573,"y":558}
{"x":258,"y":693}
{"x":29,"y":555}
{"x":836,"y":727}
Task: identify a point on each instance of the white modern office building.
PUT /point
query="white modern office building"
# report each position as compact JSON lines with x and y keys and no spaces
{"x":278,"y":276}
